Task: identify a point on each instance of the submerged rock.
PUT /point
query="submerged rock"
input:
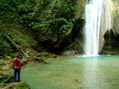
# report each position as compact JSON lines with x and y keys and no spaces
{"x":67,"y":53}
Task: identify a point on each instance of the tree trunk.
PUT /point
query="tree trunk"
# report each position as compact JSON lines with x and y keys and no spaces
{"x":17,"y":47}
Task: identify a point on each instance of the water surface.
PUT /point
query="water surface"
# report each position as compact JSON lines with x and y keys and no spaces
{"x":101,"y":72}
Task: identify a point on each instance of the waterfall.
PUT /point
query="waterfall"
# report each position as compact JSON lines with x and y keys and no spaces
{"x":98,"y":20}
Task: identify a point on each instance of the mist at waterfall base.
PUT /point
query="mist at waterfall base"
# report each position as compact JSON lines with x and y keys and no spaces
{"x":98,"y":19}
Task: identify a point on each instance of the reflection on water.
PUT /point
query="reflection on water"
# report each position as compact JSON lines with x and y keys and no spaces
{"x":101,"y":72}
{"x":89,"y":74}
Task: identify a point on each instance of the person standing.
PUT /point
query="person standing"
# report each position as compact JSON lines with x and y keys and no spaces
{"x":16,"y":68}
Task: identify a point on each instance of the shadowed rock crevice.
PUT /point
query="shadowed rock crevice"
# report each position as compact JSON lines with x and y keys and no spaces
{"x":111,"y":45}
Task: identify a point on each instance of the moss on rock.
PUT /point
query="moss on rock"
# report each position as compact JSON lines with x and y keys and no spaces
{"x":20,"y":85}
{"x":43,"y":57}
{"x":6,"y":78}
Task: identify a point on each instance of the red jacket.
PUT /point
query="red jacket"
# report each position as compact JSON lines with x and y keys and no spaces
{"x":16,"y":63}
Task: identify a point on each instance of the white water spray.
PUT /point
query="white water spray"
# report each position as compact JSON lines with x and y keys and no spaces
{"x":98,"y":18}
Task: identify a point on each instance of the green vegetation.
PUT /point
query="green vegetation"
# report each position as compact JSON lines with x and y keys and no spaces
{"x":38,"y":30}
{"x":21,"y":85}
{"x":41,"y":25}
{"x":5,"y":78}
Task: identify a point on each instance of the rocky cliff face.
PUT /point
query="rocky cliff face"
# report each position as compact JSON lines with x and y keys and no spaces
{"x":112,"y":37}
{"x":80,"y":9}
{"x":115,"y":26}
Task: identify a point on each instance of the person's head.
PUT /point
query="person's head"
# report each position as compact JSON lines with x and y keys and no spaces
{"x":17,"y":56}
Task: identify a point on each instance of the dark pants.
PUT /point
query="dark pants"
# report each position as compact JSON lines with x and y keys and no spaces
{"x":16,"y":75}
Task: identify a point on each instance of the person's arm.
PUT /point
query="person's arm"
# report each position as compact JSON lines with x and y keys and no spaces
{"x":19,"y":64}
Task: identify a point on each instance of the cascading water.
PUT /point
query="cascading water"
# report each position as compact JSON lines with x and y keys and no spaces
{"x":93,"y":20}
{"x":98,"y":18}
